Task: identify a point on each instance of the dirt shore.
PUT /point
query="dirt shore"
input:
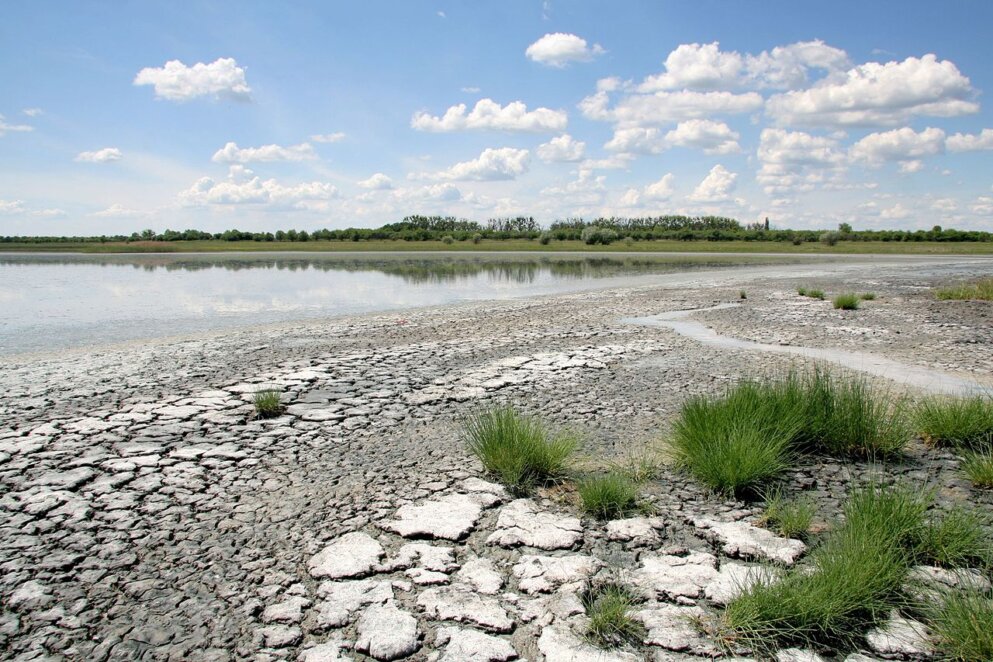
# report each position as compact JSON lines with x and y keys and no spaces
{"x":145,"y":515}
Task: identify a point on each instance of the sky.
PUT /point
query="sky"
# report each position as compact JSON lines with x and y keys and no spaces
{"x":119,"y":116}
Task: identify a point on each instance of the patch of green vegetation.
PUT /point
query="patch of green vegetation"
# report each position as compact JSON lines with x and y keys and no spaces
{"x":847,"y":301}
{"x":958,"y":422}
{"x":958,"y":538}
{"x":789,"y":518}
{"x":853,"y":581}
{"x":980,"y":290}
{"x":742,"y":294}
{"x":267,"y":403}
{"x":868,"y":296}
{"x":978,"y":467}
{"x":609,"y":496}
{"x":517,"y":449}
{"x":608,"y":606}
{"x":962,"y":625}
{"x":810,"y":293}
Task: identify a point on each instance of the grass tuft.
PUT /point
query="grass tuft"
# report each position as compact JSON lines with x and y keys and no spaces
{"x":868,"y":296}
{"x":517,"y":449}
{"x":267,"y":403}
{"x":742,"y":294}
{"x":959,"y":538}
{"x":962,"y":624}
{"x":789,"y":518}
{"x":847,"y":301}
{"x":608,"y":607}
{"x":981,"y":290}
{"x":959,"y":422}
{"x":813,"y":294}
{"x":609,"y":496}
{"x":978,"y":467}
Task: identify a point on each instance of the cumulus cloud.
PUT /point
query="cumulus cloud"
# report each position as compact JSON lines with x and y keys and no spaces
{"x":377,"y":182}
{"x":490,"y":115}
{"x":896,"y":212}
{"x":667,"y":107}
{"x":561,"y":148}
{"x":17,"y":208}
{"x":660,"y":190}
{"x":797,"y":161}
{"x":964,"y":142}
{"x":105,"y":155}
{"x":231,"y":153}
{"x":431,"y":193}
{"x":587,"y":189}
{"x":338,"y":136}
{"x":243,"y":188}
{"x":909,"y":167}
{"x":118,"y":211}
{"x":10,"y":128}
{"x":493,"y":164}
{"x":902,"y":144}
{"x":558,"y":49}
{"x":716,"y":186}
{"x":710,"y":136}
{"x":875,"y":94}
{"x":221,"y":79}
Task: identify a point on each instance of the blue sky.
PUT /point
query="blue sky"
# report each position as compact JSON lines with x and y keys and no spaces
{"x":122,"y":115}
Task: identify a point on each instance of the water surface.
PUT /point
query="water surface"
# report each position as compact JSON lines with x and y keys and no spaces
{"x":60,"y":301}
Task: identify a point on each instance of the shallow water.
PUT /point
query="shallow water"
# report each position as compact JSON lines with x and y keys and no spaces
{"x":55,"y":301}
{"x":920,"y":377}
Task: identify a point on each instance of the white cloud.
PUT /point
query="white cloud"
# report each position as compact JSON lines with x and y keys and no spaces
{"x":983,"y":206}
{"x":105,"y":155}
{"x":118,"y":211}
{"x":432,"y":193}
{"x":587,"y":189}
{"x":33,"y":112}
{"x":716,"y":186}
{"x":710,"y":136}
{"x":561,"y":148}
{"x":471,"y":89}
{"x":660,"y":190}
{"x":377,"y":182}
{"x":909,"y":167}
{"x":231,"y":153}
{"x":11,"y":207}
{"x":4,"y":127}
{"x":697,"y":66}
{"x":175,"y":81}
{"x":896,"y":212}
{"x":559,"y":49}
{"x":902,"y":144}
{"x":338,"y":136}
{"x":879,"y":94}
{"x":492,"y":164}
{"x":489,"y":115}
{"x":964,"y":142}
{"x":243,"y":188}
{"x":667,"y":107}
{"x":797,"y":161}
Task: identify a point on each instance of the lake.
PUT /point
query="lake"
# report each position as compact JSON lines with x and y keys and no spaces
{"x":58,"y":301}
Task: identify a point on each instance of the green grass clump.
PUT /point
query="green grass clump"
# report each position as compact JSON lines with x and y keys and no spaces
{"x":735,"y":443}
{"x":854,"y":580}
{"x":267,"y":403}
{"x":847,"y":301}
{"x":608,"y":607}
{"x":981,"y":290}
{"x":962,"y":624}
{"x":978,"y":467}
{"x":959,"y":422}
{"x":517,"y":449}
{"x":868,"y":296}
{"x":608,"y":496}
{"x":789,"y":518}
{"x":959,"y":538}
{"x":742,"y":294}
{"x":813,"y":294}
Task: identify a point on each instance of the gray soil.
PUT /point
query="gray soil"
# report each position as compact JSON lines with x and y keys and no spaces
{"x":144,"y":513}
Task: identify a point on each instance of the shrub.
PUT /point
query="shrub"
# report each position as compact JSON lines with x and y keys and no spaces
{"x":962,"y":625}
{"x":608,"y":496}
{"x":448,"y":239}
{"x":797,"y":241}
{"x":516,"y":448}
{"x":960,"y":422}
{"x":594,"y":234}
{"x":476,"y":238}
{"x":608,"y":607}
{"x":978,"y":467}
{"x":267,"y":403}
{"x":981,"y":290}
{"x":544,"y":238}
{"x":846,"y":301}
{"x":788,"y":518}
{"x":802,"y":291}
{"x":830,"y":238}
{"x":853,"y":581}
{"x":959,"y":538}
{"x":868,"y":296}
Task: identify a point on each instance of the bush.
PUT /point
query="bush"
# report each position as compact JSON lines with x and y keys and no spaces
{"x":830,"y":238}
{"x":609,"y":496}
{"x":788,"y":518}
{"x":608,"y":607}
{"x":959,"y":422}
{"x":517,"y":449}
{"x":476,"y":238}
{"x":846,"y":301}
{"x":978,"y":467}
{"x":962,"y":624}
{"x":594,"y":234}
{"x":267,"y":403}
{"x":545,"y":238}
{"x":981,"y":290}
{"x":448,"y":239}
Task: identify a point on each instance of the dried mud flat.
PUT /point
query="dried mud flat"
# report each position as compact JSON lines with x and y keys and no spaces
{"x":144,"y":514}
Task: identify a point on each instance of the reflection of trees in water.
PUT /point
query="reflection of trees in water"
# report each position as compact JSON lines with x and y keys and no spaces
{"x":520,"y":270}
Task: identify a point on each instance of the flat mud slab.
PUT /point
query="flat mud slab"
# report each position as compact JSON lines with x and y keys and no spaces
{"x":145,"y":514}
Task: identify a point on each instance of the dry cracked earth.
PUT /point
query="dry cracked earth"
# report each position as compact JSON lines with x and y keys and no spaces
{"x":146,"y":514}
